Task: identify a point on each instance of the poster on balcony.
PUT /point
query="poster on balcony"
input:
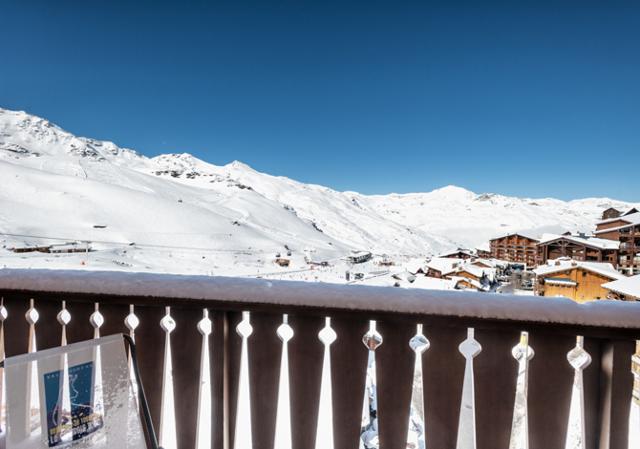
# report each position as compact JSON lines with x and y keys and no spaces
{"x":76,"y":396}
{"x":57,"y":416}
{"x":85,"y":400}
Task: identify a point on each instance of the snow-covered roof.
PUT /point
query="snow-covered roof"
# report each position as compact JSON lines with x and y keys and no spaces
{"x":456,"y":251}
{"x":586,"y":240}
{"x":430,"y":283}
{"x":525,"y":234}
{"x":477,"y":285}
{"x":444,"y":264}
{"x":414,"y":265}
{"x":556,"y":266}
{"x":627,"y":286}
{"x":489,"y":263}
{"x":484,"y":247}
{"x":632,"y":218}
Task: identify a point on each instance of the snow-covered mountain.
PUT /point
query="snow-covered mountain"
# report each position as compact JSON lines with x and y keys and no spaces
{"x":55,"y":184}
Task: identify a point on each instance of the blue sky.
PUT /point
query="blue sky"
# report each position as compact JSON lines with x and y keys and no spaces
{"x":531,"y":99}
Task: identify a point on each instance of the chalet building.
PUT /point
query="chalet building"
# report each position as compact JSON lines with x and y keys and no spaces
{"x":282,"y":261}
{"x":483,"y":251}
{"x":626,"y":289}
{"x":612,"y":212}
{"x":73,"y":247}
{"x":31,"y":249}
{"x":484,"y":263}
{"x":515,"y":247}
{"x":360,"y":257}
{"x":580,"y":281}
{"x":440,"y":267}
{"x":459,"y":253}
{"x":462,"y":283}
{"x":624,"y":229}
{"x":577,"y":247}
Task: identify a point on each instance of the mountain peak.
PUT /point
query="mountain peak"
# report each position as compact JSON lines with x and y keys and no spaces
{"x":237,"y":165}
{"x":452,"y":190}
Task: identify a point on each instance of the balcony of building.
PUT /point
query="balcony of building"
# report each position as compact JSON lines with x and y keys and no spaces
{"x":251,"y":363}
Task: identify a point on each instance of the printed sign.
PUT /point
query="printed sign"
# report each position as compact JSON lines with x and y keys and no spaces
{"x":55,"y":398}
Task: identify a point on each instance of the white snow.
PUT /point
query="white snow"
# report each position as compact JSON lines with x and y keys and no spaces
{"x":582,"y":240}
{"x":175,"y":213}
{"x":559,"y":265}
{"x":287,"y":294}
{"x":626,"y":286}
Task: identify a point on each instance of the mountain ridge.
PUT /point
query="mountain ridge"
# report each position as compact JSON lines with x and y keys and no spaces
{"x":255,"y":210}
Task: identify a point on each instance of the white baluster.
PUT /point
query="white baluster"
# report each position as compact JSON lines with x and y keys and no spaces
{"x":634,"y":416}
{"x":203,"y":427}
{"x":416,"y":434}
{"x":243,"y":430}
{"x":131,"y":322}
{"x":369,"y":426}
{"x":167,"y":435}
{"x":283,"y":414}
{"x":324,"y":429}
{"x":32,"y":398}
{"x":469,"y":348}
{"x":3,"y":397}
{"x":523,"y":353}
{"x":579,"y":359}
{"x":97,"y":320}
{"x":64,"y":318}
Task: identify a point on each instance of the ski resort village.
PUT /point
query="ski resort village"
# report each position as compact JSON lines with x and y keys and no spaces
{"x":96,"y":240}
{"x":76,"y":203}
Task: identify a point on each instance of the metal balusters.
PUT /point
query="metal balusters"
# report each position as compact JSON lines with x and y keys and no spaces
{"x":416,"y":435}
{"x":634,"y":415}
{"x":579,"y":359}
{"x":282,"y":438}
{"x":203,"y":426}
{"x":32,"y":398}
{"x":324,"y":430}
{"x":243,"y":431}
{"x":369,"y":438}
{"x":523,"y":353}
{"x":167,"y":434}
{"x":469,"y":348}
{"x":3,"y":397}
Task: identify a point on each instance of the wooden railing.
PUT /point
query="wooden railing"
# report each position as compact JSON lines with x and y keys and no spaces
{"x":241,"y":363}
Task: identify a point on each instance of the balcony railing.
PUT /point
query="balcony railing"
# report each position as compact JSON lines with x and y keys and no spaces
{"x":251,"y":363}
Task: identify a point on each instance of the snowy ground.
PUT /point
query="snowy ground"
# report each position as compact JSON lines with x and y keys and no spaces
{"x":177,"y":214}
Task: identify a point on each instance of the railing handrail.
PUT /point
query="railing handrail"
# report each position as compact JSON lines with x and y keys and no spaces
{"x":335,"y":297}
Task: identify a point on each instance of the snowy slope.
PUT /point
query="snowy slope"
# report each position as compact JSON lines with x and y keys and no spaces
{"x":55,"y":184}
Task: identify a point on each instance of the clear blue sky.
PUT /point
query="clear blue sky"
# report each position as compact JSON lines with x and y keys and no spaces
{"x":531,"y":99}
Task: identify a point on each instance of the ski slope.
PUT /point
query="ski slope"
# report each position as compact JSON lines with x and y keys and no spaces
{"x":176,"y":213}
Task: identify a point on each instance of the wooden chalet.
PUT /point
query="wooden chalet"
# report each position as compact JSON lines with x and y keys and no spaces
{"x":624,"y":229}
{"x":515,"y":247}
{"x":626,"y":289}
{"x":580,"y":281}
{"x":283,"y":262}
{"x":612,"y":212}
{"x":581,"y":248}
{"x":483,"y":251}
{"x":440,"y":267}
{"x":459,"y":253}
{"x":30,"y":249}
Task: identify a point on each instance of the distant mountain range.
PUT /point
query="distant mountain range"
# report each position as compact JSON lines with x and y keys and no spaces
{"x":58,"y":185}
